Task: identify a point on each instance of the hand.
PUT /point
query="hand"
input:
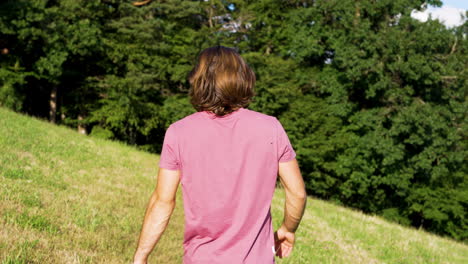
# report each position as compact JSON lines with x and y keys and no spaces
{"x":284,"y":242}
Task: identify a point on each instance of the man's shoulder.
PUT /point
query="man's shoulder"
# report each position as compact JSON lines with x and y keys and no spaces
{"x":186,"y":121}
{"x":261,"y":117}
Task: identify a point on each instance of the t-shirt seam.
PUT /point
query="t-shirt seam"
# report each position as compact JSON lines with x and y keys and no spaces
{"x":292,"y":156}
{"x":164,"y":164}
{"x":177,"y":150}
{"x":277,"y":138}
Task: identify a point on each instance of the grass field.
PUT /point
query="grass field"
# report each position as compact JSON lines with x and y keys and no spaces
{"x":70,"y":198}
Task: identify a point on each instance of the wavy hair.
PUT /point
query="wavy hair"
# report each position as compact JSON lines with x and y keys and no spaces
{"x":221,"y":81}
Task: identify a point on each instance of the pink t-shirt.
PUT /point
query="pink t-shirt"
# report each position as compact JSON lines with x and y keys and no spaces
{"x":229,"y":167}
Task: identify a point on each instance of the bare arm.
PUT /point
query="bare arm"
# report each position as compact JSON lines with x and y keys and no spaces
{"x":158,"y":213}
{"x":296,"y":198}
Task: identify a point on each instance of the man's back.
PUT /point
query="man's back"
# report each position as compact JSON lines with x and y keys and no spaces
{"x":229,"y":167}
{"x":227,"y":158}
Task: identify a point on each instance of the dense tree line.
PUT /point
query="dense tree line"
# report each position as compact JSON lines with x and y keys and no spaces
{"x":372,"y":99}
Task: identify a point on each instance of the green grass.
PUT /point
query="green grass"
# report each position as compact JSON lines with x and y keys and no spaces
{"x":70,"y":198}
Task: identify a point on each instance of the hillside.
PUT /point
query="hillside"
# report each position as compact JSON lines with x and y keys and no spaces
{"x":70,"y":198}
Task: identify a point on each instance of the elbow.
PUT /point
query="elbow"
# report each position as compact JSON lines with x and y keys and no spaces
{"x":302,"y":195}
{"x":159,"y":201}
{"x":165,"y":202}
{"x":162,"y":207}
{"x":297,"y":195}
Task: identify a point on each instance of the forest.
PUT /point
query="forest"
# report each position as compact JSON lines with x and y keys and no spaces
{"x":373,"y":100}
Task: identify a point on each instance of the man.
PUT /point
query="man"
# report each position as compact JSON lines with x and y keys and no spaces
{"x":227,"y":159}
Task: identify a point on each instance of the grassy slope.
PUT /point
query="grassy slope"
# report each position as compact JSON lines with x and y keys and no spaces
{"x":69,"y":198}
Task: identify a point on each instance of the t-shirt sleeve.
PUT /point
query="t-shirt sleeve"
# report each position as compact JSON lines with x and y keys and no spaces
{"x":285,"y":150}
{"x":169,"y":158}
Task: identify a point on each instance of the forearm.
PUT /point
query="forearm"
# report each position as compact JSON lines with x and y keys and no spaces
{"x":157,"y":217}
{"x":293,"y":211}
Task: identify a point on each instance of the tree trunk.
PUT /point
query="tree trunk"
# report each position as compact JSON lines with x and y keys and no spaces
{"x":81,"y":127}
{"x":140,"y":3}
{"x":210,"y":15}
{"x":357,"y":13}
{"x":53,"y":105}
{"x":62,"y":114}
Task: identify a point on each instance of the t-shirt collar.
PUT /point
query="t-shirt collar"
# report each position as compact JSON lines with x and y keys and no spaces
{"x":227,"y":116}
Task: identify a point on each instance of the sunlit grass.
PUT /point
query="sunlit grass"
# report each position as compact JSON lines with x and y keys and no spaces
{"x":69,"y":198}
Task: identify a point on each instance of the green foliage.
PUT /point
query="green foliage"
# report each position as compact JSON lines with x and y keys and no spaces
{"x":317,"y":137}
{"x":373,"y":100}
{"x":275,"y":87}
{"x":100,"y":132}
{"x":11,"y":82}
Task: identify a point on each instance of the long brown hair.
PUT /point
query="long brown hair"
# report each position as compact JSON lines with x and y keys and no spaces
{"x":221,"y":82}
